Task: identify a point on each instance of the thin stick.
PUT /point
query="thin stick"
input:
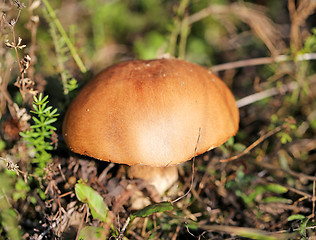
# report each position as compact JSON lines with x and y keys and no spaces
{"x":188,"y":230}
{"x":254,"y":144}
{"x":105,"y":172}
{"x":12,"y":25}
{"x":288,"y":171}
{"x":16,"y":49}
{"x":262,"y":61}
{"x":313,"y":199}
{"x":124,"y":227}
{"x":82,"y":221}
{"x":175,"y":235}
{"x":193,"y":168}
{"x":61,"y":196}
{"x":265,"y":94}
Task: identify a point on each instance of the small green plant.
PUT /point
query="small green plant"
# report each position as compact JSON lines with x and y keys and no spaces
{"x":288,"y":125}
{"x":86,"y":194}
{"x":64,"y":35}
{"x":98,"y":209}
{"x":69,"y":83}
{"x":41,"y":131}
{"x":304,"y":223}
{"x":269,"y":192}
{"x":8,"y":216}
{"x":232,"y":146}
{"x":310,"y":43}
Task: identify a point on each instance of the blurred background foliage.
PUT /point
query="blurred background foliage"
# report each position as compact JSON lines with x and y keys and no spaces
{"x":272,"y":188}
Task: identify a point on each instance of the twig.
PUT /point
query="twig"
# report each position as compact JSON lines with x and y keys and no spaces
{"x":247,"y":63}
{"x":193,"y":163}
{"x":313,"y":199}
{"x":188,"y":230}
{"x":251,"y":14}
{"x":121,"y":235}
{"x":297,"y":191}
{"x":265,"y":94}
{"x":16,"y":49}
{"x":288,"y":171}
{"x":82,"y":221}
{"x":295,"y":230}
{"x":262,"y":61}
{"x":299,"y":11}
{"x":271,"y":92}
{"x":254,"y":144}
{"x":104,"y":173}
{"x":14,"y":44}
{"x":61,"y":196}
{"x":175,"y":235}
{"x":42,"y":235}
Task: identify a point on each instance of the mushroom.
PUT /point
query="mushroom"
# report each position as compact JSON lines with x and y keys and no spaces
{"x":151,"y":113}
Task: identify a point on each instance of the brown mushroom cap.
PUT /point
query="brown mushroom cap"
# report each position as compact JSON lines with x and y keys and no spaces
{"x":151,"y":113}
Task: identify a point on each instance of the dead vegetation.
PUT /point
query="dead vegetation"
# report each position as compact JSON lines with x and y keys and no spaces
{"x":259,"y":185}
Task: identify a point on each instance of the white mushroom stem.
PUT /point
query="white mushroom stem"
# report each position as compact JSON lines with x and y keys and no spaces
{"x":162,"y":178}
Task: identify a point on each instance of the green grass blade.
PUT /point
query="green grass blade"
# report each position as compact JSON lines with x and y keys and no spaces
{"x":65,"y":36}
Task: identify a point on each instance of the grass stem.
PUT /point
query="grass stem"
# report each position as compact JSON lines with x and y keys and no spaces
{"x":65,"y":36}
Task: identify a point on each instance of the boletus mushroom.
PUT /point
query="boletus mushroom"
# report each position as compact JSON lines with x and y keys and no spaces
{"x":151,"y":113}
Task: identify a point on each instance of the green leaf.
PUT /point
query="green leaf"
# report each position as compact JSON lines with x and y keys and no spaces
{"x":53,"y":113}
{"x":43,"y":106}
{"x":51,"y":128}
{"x":94,"y":200}
{"x":92,"y":233}
{"x":35,"y":108}
{"x":36,"y":120}
{"x":296,"y":217}
{"x":35,"y":99}
{"x":44,"y":99}
{"x":154,"y":208}
{"x":239,"y":147}
{"x":230,"y":141}
{"x":50,"y":121}
{"x":24,"y":135}
{"x":50,"y":148}
{"x":276,"y":200}
{"x":258,"y":190}
{"x":47,"y":109}
{"x":9,"y":220}
{"x":2,"y":145}
{"x":21,"y":190}
{"x":276,"y":188}
{"x":303,"y":226}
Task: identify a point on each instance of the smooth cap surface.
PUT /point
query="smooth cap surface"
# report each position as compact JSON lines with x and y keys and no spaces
{"x":151,"y":112}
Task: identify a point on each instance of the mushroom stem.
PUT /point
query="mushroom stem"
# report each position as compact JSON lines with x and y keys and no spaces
{"x":162,"y":178}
